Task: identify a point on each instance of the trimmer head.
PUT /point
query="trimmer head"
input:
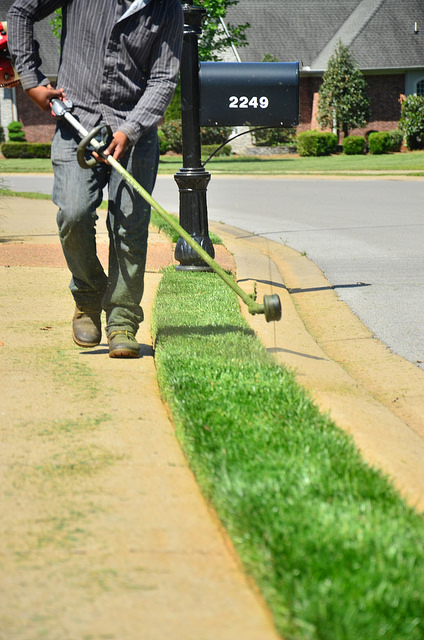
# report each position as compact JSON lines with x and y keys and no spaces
{"x":272,"y":308}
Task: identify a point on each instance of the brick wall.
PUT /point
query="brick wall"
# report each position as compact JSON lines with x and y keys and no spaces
{"x":38,"y":125}
{"x":383,"y":90}
{"x":308,"y":86}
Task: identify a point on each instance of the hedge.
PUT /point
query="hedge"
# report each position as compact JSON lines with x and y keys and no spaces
{"x":396,"y":138}
{"x":353,"y":145}
{"x":208,"y":149}
{"x":274,"y":137}
{"x":316,"y":143}
{"x":170,"y":136}
{"x":26,"y":149}
{"x":379,"y":142}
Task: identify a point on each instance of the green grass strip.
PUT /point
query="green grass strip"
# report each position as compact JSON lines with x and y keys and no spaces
{"x":411,"y":164}
{"x":335,"y":550}
{"x":386,"y":164}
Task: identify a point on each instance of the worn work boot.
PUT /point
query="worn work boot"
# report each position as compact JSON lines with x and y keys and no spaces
{"x":86,"y":328}
{"x":122,"y":344}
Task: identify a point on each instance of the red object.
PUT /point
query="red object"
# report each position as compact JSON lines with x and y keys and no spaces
{"x":3,"y":36}
{"x":8,"y":76}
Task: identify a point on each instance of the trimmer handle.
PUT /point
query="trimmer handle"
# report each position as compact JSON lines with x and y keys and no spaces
{"x":61,"y":107}
{"x":98,"y":146}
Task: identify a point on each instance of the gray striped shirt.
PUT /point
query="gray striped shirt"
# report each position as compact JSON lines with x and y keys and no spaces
{"x":119,"y":59}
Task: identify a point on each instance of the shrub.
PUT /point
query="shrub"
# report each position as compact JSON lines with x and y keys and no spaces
{"x":1,"y":134}
{"x":273,"y":137}
{"x":379,"y":142}
{"x":16,"y":132}
{"x":173,"y":111}
{"x":170,"y":132}
{"x":163,"y":142}
{"x":316,"y":143}
{"x":412,"y":122}
{"x":215,"y":135}
{"x":208,"y":149}
{"x":26,"y":149}
{"x":396,"y":139}
{"x":353,"y":145}
{"x":170,"y":136}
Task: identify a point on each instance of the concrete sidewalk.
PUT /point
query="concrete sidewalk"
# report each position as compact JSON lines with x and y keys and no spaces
{"x":106,"y":533}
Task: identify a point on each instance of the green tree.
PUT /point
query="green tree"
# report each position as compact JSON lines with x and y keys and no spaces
{"x":412,"y":121}
{"x":56,"y":23}
{"x":215,"y":39}
{"x":343,"y":103}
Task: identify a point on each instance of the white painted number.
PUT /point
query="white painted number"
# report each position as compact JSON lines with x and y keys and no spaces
{"x":243,"y":102}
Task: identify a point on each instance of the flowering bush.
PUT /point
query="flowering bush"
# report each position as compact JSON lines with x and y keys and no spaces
{"x":412,"y":121}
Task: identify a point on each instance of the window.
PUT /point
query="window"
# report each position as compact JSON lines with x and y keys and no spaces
{"x":420,"y":88}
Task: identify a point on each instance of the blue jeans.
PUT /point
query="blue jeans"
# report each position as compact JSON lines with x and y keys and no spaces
{"x":78,"y":192}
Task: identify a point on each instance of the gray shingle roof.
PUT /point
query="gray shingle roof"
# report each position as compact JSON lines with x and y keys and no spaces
{"x":380,"y":33}
{"x":49,"y":45}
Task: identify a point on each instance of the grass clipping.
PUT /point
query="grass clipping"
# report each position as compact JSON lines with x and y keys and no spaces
{"x":334,"y":549}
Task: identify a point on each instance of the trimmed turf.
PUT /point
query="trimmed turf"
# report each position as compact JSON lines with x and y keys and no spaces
{"x":336,"y":552}
{"x":411,"y":163}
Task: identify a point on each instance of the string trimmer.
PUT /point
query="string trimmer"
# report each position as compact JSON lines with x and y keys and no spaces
{"x":271,"y":306}
{"x":8,"y":75}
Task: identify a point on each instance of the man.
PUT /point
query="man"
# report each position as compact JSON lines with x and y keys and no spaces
{"x":119,"y":65}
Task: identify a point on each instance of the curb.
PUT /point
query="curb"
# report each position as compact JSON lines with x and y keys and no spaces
{"x":373,"y":394}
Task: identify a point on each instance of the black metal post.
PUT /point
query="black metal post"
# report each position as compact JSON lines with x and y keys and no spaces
{"x":192,"y":179}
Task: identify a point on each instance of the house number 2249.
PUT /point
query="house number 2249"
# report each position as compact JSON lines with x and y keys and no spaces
{"x":243,"y":102}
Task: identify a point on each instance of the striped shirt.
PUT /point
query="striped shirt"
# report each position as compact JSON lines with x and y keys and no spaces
{"x":119,"y":58}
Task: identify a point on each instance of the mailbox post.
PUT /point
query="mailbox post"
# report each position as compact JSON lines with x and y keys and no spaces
{"x":192,"y":179}
{"x":222,"y":94}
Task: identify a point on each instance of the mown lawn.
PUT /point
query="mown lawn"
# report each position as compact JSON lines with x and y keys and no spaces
{"x":410,"y":163}
{"x":413,"y":163}
{"x":336,"y":552}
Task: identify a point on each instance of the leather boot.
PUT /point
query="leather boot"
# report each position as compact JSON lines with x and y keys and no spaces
{"x":86,"y":328}
{"x":122,"y":344}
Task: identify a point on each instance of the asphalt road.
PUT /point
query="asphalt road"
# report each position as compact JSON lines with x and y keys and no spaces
{"x":367,"y":236}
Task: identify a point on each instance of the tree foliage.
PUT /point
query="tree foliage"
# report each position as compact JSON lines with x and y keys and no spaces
{"x":412,"y":121}
{"x":56,"y":23}
{"x":343,"y":103}
{"x":214,"y":40}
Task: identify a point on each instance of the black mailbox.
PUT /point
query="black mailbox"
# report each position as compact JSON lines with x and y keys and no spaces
{"x":249,"y":93}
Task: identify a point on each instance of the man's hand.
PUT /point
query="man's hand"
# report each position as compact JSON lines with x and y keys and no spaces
{"x":43,"y":95}
{"x":118,"y":146}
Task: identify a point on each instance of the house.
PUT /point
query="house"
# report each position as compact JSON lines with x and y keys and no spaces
{"x":386,"y":38}
{"x":38,"y":125}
